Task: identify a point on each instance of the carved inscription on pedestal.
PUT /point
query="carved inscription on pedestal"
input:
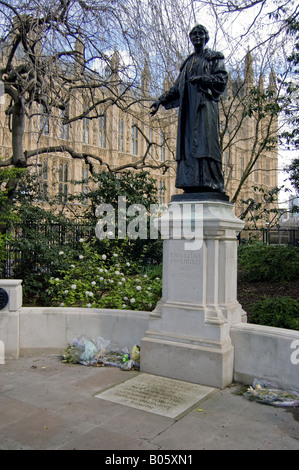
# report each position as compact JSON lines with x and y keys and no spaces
{"x":185,"y":263}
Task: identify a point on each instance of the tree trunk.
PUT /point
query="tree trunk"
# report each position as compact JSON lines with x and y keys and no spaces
{"x":18,"y":126}
{"x":18,"y":157}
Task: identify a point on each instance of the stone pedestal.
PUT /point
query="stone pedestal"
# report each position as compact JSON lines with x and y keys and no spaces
{"x":10,"y":304}
{"x":188,"y":337}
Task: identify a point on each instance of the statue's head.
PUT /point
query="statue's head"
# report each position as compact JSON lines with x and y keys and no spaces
{"x":202,"y":29}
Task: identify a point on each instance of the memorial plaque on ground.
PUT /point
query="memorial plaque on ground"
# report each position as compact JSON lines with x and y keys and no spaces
{"x":160,"y":395}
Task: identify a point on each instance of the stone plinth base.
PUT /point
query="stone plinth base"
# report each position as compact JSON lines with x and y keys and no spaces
{"x":188,"y":337}
{"x":201,"y":364}
{"x":9,"y":318}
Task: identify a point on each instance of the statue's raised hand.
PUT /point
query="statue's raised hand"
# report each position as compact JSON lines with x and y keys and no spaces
{"x":155,"y":107}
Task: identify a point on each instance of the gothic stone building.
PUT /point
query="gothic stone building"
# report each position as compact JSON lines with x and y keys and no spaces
{"x":121,"y":136}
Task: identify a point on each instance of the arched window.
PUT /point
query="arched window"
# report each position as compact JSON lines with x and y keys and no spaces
{"x":44,"y":120}
{"x":63,"y":182}
{"x":102,"y":131}
{"x":162,"y":147}
{"x":64,"y":128}
{"x":134,"y":140}
{"x":86,"y":129}
{"x":121,"y":134}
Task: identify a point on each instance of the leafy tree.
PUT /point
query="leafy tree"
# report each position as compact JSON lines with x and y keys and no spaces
{"x":60,"y":50}
{"x":291,"y":135}
{"x":283,"y":22}
{"x":30,"y":236}
{"x":268,"y":32}
{"x":33,"y":240}
{"x":8,"y":178}
{"x":51,"y":50}
{"x":137,"y":188}
{"x":42,"y":242}
{"x":293,"y":170}
{"x":262,"y":205}
{"x":252,"y":107}
{"x":134,"y":189}
{"x":8,"y":213}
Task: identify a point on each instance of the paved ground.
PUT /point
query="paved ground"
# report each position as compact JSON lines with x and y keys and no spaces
{"x":48,"y":405}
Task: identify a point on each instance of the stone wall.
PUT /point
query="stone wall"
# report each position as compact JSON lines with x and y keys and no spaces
{"x":267,"y":353}
{"x":259,"y":351}
{"x":52,"y":329}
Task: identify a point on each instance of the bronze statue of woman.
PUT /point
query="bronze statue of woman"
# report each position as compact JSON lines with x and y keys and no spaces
{"x":196,"y":91}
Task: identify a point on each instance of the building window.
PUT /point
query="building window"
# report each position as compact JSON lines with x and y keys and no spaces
{"x":225,"y":163}
{"x":63,"y":182}
{"x":150,"y":152}
{"x":85,"y":176}
{"x":267,"y":174}
{"x":121,"y":135}
{"x":44,"y":120}
{"x":234,"y":165}
{"x":161,"y":192}
{"x":256,"y":174}
{"x":64,"y":128}
{"x":86,"y":129}
{"x":134,"y":140}
{"x":241,"y":166}
{"x":162,"y":147}
{"x":43,"y":178}
{"x":102,"y":131}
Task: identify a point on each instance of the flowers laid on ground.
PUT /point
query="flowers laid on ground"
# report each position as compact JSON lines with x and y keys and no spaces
{"x":97,"y":280}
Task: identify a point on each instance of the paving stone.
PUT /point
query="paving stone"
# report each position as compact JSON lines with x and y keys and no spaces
{"x":53,"y":406}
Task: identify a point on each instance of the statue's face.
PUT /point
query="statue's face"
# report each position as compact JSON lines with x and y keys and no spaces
{"x":198,"y":37}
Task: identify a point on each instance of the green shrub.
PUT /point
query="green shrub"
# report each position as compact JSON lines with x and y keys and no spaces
{"x":2,"y":252}
{"x":280,"y":312}
{"x":134,"y":188}
{"x":38,"y":236}
{"x":98,"y":280}
{"x":260,"y":262}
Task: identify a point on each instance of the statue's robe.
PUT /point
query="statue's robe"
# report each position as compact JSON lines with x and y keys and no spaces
{"x":198,"y":152}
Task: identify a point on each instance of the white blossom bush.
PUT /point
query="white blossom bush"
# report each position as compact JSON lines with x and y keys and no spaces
{"x":98,"y":280}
